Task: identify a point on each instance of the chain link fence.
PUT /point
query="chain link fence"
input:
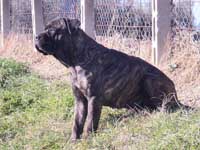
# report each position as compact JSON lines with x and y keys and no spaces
{"x":185,"y":26}
{"x":124,"y":24}
{"x":21,"y":17}
{"x":127,"y":22}
{"x":130,"y":19}
{"x":60,"y":8}
{"x":121,"y":24}
{"x":184,"y":58}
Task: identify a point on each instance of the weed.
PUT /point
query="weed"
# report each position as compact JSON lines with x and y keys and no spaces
{"x":37,"y":114}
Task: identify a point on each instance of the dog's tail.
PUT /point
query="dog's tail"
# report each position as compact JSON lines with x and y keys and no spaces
{"x":184,"y":107}
{"x":174,"y":104}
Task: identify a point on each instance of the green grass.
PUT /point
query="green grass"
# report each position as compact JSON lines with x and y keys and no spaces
{"x":37,"y":114}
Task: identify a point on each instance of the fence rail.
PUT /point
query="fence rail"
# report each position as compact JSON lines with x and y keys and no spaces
{"x":136,"y":22}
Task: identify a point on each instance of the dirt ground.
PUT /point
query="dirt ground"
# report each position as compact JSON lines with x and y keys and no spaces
{"x":183,"y":67}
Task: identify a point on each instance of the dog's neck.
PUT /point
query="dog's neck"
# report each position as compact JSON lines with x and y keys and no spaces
{"x":84,"y":48}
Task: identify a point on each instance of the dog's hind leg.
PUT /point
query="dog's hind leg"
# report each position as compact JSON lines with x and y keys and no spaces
{"x":161,"y":93}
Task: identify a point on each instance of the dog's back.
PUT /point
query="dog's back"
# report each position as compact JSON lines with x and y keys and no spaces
{"x":128,"y":81}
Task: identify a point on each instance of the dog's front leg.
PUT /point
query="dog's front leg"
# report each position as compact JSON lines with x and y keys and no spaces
{"x":94,"y":113}
{"x":80,"y":114}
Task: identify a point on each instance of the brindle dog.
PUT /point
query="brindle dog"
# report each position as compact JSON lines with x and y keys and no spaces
{"x":103,"y":76}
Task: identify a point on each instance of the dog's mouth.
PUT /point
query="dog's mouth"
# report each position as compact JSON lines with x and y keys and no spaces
{"x":40,"y":50}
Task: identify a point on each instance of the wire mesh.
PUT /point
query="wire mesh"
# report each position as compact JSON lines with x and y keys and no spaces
{"x":20,"y":16}
{"x":184,"y":56}
{"x":130,"y":19}
{"x":186,"y":25}
{"x":124,"y":25}
{"x":60,"y":8}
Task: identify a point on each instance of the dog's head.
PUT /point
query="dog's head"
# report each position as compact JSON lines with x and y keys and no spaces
{"x":57,"y":35}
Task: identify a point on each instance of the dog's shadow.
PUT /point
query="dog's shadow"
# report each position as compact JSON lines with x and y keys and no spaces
{"x":113,"y":118}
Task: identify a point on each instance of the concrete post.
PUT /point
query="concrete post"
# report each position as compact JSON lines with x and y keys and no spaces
{"x":87,"y":17}
{"x":161,"y":20}
{"x":5,"y":20}
{"x":37,"y":17}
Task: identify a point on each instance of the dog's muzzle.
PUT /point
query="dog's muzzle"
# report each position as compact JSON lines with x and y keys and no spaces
{"x":37,"y":45}
{"x":40,"y":50}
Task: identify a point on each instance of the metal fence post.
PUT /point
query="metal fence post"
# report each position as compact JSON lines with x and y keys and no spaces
{"x":161,"y":20}
{"x":5,"y":20}
{"x":87,"y":17}
{"x":37,"y":17}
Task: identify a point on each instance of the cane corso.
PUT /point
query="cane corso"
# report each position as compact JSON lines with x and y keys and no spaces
{"x":103,"y":76}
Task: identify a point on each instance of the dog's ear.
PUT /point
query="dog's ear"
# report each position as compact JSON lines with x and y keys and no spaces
{"x":67,"y":25}
{"x":75,"y":24}
{"x":71,"y":24}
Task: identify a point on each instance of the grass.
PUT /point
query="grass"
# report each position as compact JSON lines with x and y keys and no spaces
{"x":37,"y":114}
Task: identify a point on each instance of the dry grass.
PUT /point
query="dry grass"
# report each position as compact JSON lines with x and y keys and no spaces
{"x":182,"y":66}
{"x":20,"y":48}
{"x":46,"y":124}
{"x":129,"y":46}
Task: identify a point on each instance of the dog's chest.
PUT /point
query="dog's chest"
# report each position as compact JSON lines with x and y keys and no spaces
{"x":81,"y":79}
